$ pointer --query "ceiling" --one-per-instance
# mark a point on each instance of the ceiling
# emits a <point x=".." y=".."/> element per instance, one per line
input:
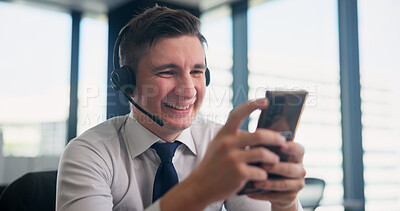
<point x="99" y="5"/>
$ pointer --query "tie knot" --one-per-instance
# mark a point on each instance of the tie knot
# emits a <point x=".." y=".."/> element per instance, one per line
<point x="166" y="151"/>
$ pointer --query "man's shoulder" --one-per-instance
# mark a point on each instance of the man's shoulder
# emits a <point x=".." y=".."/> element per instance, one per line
<point x="104" y="132"/>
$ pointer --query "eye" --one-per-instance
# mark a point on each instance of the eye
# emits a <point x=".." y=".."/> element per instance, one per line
<point x="197" y="72"/>
<point x="166" y="74"/>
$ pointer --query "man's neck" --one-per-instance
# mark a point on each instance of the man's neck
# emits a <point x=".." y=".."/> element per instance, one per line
<point x="164" y="133"/>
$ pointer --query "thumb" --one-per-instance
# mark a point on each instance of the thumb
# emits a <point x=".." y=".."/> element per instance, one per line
<point x="240" y="113"/>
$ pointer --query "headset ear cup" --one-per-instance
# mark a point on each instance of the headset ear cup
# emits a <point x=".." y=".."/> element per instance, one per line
<point x="123" y="78"/>
<point x="208" y="79"/>
<point x="114" y="81"/>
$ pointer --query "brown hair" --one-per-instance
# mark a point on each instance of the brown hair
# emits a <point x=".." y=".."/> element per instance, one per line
<point x="150" y="26"/>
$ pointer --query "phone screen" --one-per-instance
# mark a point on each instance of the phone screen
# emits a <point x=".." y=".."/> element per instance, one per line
<point x="283" y="115"/>
<point x="283" y="112"/>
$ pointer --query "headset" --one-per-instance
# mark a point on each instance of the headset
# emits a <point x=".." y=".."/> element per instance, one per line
<point x="123" y="78"/>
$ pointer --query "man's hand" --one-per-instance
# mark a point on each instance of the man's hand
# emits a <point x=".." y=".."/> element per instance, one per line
<point x="225" y="168"/>
<point x="287" y="188"/>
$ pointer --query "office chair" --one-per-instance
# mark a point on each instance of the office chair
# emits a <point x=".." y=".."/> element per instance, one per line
<point x="33" y="191"/>
<point x="2" y="188"/>
<point x="312" y="193"/>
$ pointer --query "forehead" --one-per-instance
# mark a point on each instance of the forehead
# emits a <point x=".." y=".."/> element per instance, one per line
<point x="171" y="45"/>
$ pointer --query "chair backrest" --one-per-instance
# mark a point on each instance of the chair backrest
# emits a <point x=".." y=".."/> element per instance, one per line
<point x="312" y="193"/>
<point x="33" y="191"/>
<point x="2" y="188"/>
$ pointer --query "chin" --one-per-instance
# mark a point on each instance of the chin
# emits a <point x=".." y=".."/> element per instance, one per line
<point x="179" y="124"/>
<point x="182" y="125"/>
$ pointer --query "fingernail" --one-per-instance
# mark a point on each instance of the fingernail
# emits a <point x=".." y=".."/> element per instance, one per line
<point x="266" y="166"/>
<point x="282" y="139"/>
<point x="284" y="147"/>
<point x="261" y="102"/>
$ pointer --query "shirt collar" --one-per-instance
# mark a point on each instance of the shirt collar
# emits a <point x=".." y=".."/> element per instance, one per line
<point x="186" y="138"/>
<point x="139" y="138"/>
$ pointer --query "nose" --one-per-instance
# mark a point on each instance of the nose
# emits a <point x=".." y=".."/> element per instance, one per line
<point x="185" y="88"/>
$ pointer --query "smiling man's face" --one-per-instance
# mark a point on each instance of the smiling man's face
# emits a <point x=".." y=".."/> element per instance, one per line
<point x="170" y="83"/>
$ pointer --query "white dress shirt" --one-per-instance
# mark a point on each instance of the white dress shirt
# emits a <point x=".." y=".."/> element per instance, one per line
<point x="112" y="167"/>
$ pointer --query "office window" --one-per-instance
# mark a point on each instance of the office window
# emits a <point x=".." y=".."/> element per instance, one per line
<point x="34" y="89"/>
<point x="379" y="33"/>
<point x="92" y="86"/>
<point x="293" y="44"/>
<point x="217" y="29"/>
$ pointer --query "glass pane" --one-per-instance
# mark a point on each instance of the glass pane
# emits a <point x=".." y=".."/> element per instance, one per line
<point x="293" y="44"/>
<point x="379" y="33"/>
<point x="92" y="86"/>
<point x="217" y="29"/>
<point x="34" y="90"/>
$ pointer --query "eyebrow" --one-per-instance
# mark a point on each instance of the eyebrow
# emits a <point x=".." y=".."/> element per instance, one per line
<point x="202" y="66"/>
<point x="164" y="66"/>
<point x="171" y="65"/>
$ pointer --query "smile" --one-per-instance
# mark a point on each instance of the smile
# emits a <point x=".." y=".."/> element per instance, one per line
<point x="177" y="107"/>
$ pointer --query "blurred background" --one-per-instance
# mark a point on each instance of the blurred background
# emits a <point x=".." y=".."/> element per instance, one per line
<point x="56" y="57"/>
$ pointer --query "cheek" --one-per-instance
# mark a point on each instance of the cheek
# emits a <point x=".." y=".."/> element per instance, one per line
<point x="201" y="92"/>
<point x="151" y="92"/>
<point x="161" y="91"/>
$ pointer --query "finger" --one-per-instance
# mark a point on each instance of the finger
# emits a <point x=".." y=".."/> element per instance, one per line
<point x="294" y="150"/>
<point x="259" y="154"/>
<point x="260" y="137"/>
<point x="255" y="173"/>
<point x="240" y="113"/>
<point x="281" y="185"/>
<point x="277" y="197"/>
<point x="288" y="170"/>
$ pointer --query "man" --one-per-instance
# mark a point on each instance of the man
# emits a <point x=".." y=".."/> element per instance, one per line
<point x="113" y="166"/>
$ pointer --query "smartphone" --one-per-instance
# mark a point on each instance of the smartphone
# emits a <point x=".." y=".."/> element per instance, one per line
<point x="282" y="115"/>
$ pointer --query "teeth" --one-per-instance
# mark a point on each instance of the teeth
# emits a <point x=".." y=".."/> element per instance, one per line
<point x="177" y="107"/>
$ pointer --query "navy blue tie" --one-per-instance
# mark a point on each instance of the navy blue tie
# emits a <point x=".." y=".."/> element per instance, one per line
<point x="166" y="176"/>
